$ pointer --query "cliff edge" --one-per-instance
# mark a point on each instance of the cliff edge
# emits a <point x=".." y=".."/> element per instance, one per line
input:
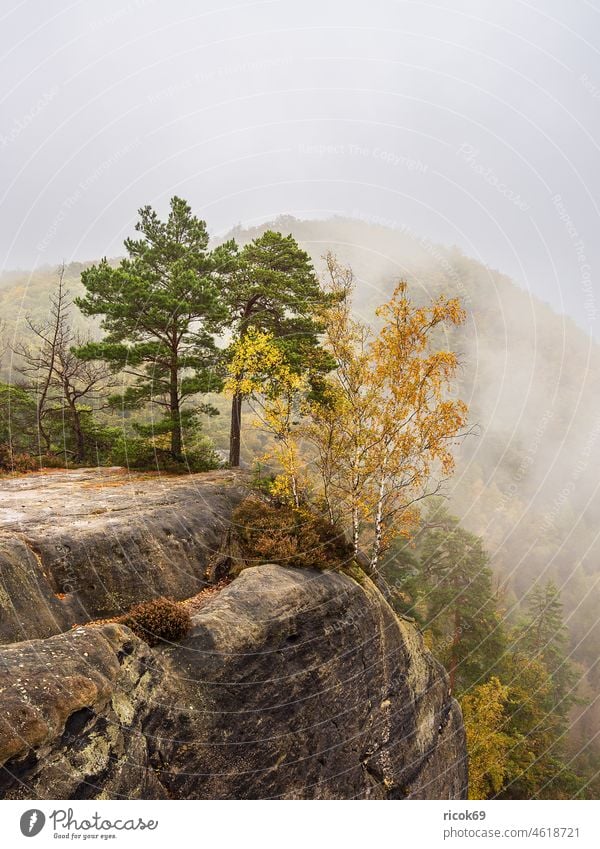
<point x="292" y="684"/>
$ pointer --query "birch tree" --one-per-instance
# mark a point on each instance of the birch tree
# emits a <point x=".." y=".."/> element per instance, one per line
<point x="378" y="436"/>
<point x="383" y="434"/>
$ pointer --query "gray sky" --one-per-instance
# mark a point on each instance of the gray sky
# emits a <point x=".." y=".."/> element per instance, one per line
<point x="471" y="122"/>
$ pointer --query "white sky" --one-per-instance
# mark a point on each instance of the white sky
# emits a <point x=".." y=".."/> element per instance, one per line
<point x="386" y="110"/>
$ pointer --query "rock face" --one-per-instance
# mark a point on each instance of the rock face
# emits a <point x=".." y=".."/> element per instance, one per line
<point x="293" y="684"/>
<point x="87" y="544"/>
<point x="70" y="715"/>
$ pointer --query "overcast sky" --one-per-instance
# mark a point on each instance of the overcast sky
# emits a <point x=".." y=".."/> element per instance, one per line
<point x="471" y="122"/>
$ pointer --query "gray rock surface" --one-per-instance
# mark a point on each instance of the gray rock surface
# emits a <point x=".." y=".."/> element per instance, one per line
<point x="87" y="544"/>
<point x="293" y="684"/>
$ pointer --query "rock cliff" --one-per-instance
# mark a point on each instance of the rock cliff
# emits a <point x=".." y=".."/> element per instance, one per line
<point x="292" y="684"/>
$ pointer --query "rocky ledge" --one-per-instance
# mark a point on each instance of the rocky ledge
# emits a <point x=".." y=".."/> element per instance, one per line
<point x="293" y="684"/>
<point x="88" y="544"/>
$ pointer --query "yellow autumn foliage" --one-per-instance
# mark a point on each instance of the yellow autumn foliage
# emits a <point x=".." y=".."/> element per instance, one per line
<point x="378" y="436"/>
<point x="488" y="744"/>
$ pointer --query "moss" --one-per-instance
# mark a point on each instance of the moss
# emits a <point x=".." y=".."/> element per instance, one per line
<point x="123" y="707"/>
<point x="354" y="571"/>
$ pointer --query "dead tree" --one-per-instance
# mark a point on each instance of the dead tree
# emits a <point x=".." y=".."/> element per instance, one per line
<point x="37" y="363"/>
<point x="80" y="384"/>
<point x="3" y="342"/>
<point x="63" y="384"/>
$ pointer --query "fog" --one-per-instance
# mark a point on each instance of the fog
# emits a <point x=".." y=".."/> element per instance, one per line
<point x="471" y="123"/>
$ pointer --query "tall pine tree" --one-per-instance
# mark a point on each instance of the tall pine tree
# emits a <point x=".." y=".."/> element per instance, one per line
<point x="542" y="636"/>
<point x="160" y="309"/>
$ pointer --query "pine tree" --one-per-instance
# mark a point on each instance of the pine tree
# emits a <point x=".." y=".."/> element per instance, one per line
<point x="542" y="689"/>
<point x="273" y="288"/>
<point x="538" y="767"/>
<point x="543" y="637"/>
<point x="161" y="308"/>
<point x="461" y="605"/>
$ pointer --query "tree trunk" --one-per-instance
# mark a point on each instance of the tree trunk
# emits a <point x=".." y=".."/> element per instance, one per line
<point x="175" y="415"/>
<point x="379" y="519"/>
<point x="327" y="500"/>
<point x="235" y="431"/>
<point x="79" y="437"/>
<point x="295" y="491"/>
<point x="235" y="428"/>
<point x="42" y="435"/>
<point x="355" y="529"/>
<point x="57" y="311"/>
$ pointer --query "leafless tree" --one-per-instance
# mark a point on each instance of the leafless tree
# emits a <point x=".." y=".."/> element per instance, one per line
<point x="64" y="385"/>
<point x="37" y="362"/>
<point x="80" y="383"/>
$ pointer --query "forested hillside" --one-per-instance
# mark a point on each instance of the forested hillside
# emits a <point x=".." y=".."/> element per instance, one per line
<point x="525" y="479"/>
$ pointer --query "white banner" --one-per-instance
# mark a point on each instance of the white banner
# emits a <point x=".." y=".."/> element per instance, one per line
<point x="291" y="824"/>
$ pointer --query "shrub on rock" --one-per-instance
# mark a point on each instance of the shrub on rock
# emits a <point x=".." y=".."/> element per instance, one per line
<point x="159" y="620"/>
<point x="276" y="533"/>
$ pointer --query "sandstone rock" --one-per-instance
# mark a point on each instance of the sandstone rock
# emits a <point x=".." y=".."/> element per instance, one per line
<point x="293" y="684"/>
<point x="29" y="604"/>
<point x="68" y="708"/>
<point x="88" y="544"/>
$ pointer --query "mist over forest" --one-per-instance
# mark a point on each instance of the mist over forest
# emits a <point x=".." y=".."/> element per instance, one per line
<point x="525" y="479"/>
